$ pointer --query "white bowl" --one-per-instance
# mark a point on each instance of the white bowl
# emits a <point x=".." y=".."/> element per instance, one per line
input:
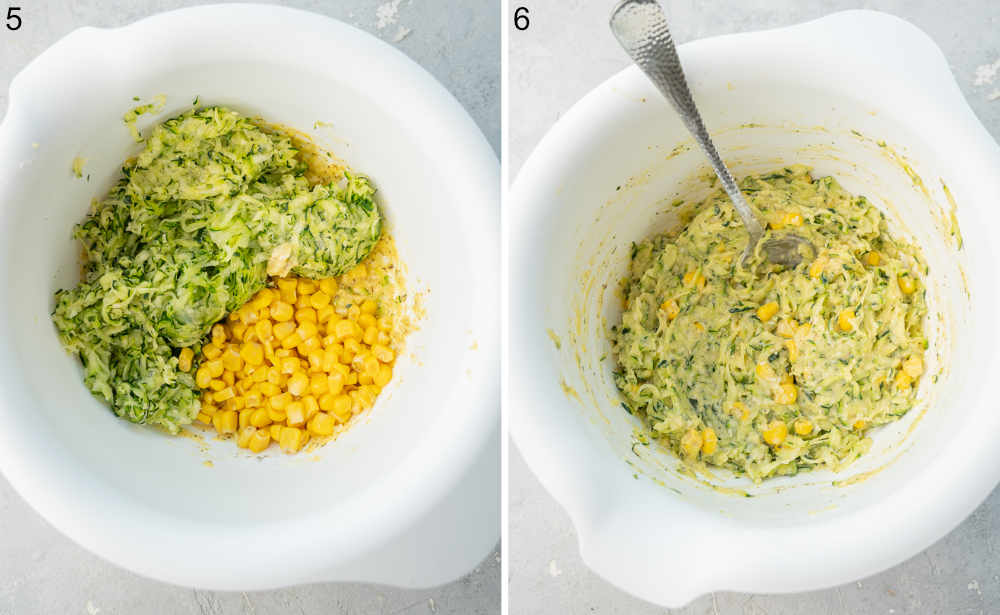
<point x="410" y="495"/>
<point x="823" y="94"/>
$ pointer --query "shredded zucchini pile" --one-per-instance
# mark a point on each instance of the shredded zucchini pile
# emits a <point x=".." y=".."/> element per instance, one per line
<point x="767" y="371"/>
<point x="213" y="204"/>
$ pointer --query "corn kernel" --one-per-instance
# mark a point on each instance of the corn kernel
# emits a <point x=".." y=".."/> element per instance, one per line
<point x="383" y="376"/>
<point x="239" y="331"/>
<point x="244" y="417"/>
<point x="335" y="383"/>
<point x="219" y="334"/>
<point x="691" y="443"/>
<point x="296" y="413"/>
<point x="793" y="350"/>
<point x="229" y="378"/>
<point x="280" y="401"/>
<point x="276" y="416"/>
<point x="709" y="441"/>
<point x="803" y="427"/>
<point x="353" y="346"/>
<point x="324" y="314"/>
<point x="792" y="218"/>
<point x="309" y="345"/>
<point x="384" y="324"/>
<point x="243" y="436"/>
<point x="263" y="298"/>
<point x="211" y="351"/>
<point x="231" y="360"/>
<point x="370" y="336"/>
<point x="275" y="430"/>
<point x="786" y="393"/>
<point x="903" y="380"/>
<point x="860" y="424"/>
<point x="319" y="299"/>
<point x="264" y="329"/>
<point x="269" y="389"/>
<point x="306" y="287"/>
<point x="260" y="418"/>
<point x="184" y="359"/>
<point x="259" y="440"/>
<point x="767" y="311"/>
<point x="282" y="311"/>
<point x="292" y="439"/>
<point x="322" y="424"/>
<point x="671" y="308"/>
<point x="817" y="267"/>
<point x="298" y="383"/>
<point x="367" y="320"/>
<point x="328" y="286"/>
<point x="291" y="341"/>
<point x="224" y="394"/>
<point x="872" y="258"/>
<point x="202" y="377"/>
<point x="225" y="422"/>
<point x="342" y="407"/>
<point x="345" y="329"/>
<point x="306" y="313"/>
<point x="765" y="371"/>
<point x="775" y="433"/>
<point x="318" y="384"/>
<point x="214" y="368"/>
<point x="906" y="283"/>
<point x="845" y="320"/>
<point x="311" y="406"/>
<point x="204" y="418"/>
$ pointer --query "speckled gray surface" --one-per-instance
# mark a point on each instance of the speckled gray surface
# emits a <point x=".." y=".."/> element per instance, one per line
<point x="43" y="572"/>
<point x="565" y="53"/>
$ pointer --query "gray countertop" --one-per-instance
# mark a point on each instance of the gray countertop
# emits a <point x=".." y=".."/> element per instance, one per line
<point x="41" y="571"/>
<point x="565" y="53"/>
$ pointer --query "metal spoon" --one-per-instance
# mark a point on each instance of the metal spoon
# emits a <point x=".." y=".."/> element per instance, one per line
<point x="641" y="28"/>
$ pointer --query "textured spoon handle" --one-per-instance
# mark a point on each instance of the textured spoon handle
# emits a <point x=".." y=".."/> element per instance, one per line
<point x="641" y="28"/>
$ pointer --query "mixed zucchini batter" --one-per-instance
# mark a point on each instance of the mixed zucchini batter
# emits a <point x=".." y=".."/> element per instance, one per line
<point x="769" y="371"/>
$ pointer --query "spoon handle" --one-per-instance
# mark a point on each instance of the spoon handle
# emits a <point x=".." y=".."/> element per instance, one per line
<point x="641" y="28"/>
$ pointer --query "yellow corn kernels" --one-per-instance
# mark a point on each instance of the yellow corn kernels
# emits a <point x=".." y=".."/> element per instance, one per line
<point x="709" y="441"/>
<point x="845" y="320"/>
<point x="670" y="308"/>
<point x="290" y="363"/>
<point x="767" y="311"/>
<point x="786" y="393"/>
<point x="817" y="267"/>
<point x="906" y="283"/>
<point x="793" y="350"/>
<point x="691" y="443"/>
<point x="775" y="433"/>
<point x="740" y="410"/>
<point x="803" y="427"/>
<point x="873" y="259"/>
<point x="184" y="359"/>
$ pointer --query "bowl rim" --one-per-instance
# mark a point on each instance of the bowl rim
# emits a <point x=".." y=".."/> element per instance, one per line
<point x="561" y="463"/>
<point x="312" y="546"/>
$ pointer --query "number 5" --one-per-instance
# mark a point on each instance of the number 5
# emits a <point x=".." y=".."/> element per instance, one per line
<point x="13" y="19"/>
